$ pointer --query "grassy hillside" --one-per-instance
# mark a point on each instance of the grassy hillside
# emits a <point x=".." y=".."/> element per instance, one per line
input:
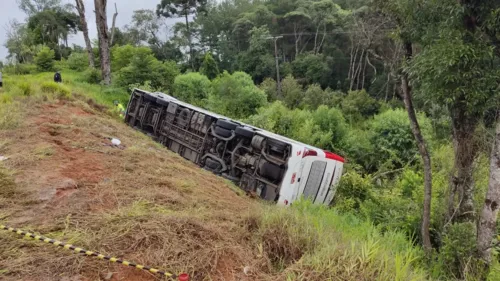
<point x="146" y="204"/>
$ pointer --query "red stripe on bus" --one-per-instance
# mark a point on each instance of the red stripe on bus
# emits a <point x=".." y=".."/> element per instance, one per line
<point x="330" y="155"/>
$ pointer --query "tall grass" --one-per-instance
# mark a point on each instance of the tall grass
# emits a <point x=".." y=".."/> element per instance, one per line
<point x="309" y="242"/>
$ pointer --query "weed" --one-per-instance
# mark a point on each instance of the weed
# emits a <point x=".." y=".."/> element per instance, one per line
<point x="7" y="184"/>
<point x="55" y="88"/>
<point x="10" y="115"/>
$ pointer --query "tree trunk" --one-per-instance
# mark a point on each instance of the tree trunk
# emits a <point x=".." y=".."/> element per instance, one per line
<point x="81" y="11"/>
<point x="487" y="222"/>
<point x="189" y="40"/>
<point x="113" y="26"/>
<point x="465" y="152"/>
<point x="424" y="153"/>
<point x="102" y="32"/>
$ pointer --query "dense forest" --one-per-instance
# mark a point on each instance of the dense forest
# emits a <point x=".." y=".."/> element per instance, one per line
<point x="406" y="90"/>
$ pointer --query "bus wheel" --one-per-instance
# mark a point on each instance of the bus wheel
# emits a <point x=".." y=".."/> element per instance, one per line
<point x="228" y="125"/>
<point x="270" y="171"/>
<point x="244" y="132"/>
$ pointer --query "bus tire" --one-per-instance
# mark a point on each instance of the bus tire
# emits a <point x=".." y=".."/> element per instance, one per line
<point x="221" y="132"/>
<point x="244" y="132"/>
<point x="270" y="171"/>
<point x="276" y="145"/>
<point x="212" y="164"/>
<point x="226" y="124"/>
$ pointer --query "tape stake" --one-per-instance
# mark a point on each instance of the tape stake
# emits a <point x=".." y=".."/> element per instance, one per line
<point x="181" y="277"/>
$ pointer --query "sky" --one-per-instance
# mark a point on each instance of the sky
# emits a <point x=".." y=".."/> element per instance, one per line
<point x="9" y="10"/>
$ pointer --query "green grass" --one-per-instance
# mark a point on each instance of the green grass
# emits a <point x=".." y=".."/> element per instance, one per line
<point x="310" y="242"/>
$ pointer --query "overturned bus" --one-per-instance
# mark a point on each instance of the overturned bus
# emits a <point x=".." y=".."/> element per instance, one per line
<point x="262" y="163"/>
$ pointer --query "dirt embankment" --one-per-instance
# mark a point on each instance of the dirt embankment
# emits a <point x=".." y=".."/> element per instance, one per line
<point x="137" y="201"/>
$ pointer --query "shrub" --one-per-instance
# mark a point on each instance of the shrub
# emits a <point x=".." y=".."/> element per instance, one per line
<point x="209" y="67"/>
<point x="145" y="67"/>
<point x="314" y="97"/>
<point x="92" y="76"/>
<point x="20" y="69"/>
<point x="235" y="95"/>
<point x="44" y="60"/>
<point x="25" y="88"/>
<point x="352" y="191"/>
<point x="270" y="88"/>
<point x="78" y="61"/>
<point x="291" y="91"/>
<point x="192" y="88"/>
<point x="121" y="56"/>
<point x="311" y="68"/>
<point x="393" y="141"/>
<point x="358" y="105"/>
<point x="457" y="250"/>
<point x="55" y="88"/>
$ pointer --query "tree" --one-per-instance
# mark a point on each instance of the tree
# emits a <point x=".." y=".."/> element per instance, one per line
<point x="488" y="219"/>
<point x="192" y="88"/>
<point x="358" y="105"/>
<point x="102" y="32"/>
<point x="148" y="25"/>
<point x="32" y="7"/>
<point x="314" y="97"/>
<point x="80" y="7"/>
<point x="20" y="42"/>
<point x="235" y="95"/>
<point x="44" y="60"/>
<point x="182" y="8"/>
<point x="209" y="67"/>
<point x="291" y="91"/>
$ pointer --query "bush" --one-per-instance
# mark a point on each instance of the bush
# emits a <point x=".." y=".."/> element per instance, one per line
<point x="352" y="191"/>
<point x="315" y="96"/>
<point x="121" y="56"/>
<point x="92" y="76"/>
<point x="270" y="89"/>
<point x="235" y="95"/>
<point x="209" y="67"/>
<point x="323" y="245"/>
<point x="358" y="105"/>
<point x="192" y="88"/>
<point x="393" y="141"/>
<point x="55" y="88"/>
<point x="78" y="61"/>
<point x="20" y="69"/>
<point x="458" y="248"/>
<point x="291" y="91"/>
<point x="25" y="88"/>
<point x="44" y="60"/>
<point x="145" y="67"/>
<point x="311" y="68"/>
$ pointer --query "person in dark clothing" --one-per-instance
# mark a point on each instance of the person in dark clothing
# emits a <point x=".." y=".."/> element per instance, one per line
<point x="57" y="77"/>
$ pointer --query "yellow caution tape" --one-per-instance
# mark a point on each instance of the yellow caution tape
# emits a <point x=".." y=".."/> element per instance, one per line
<point x="88" y="253"/>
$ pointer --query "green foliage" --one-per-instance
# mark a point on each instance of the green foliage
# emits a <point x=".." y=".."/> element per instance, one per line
<point x="270" y="88"/>
<point x="311" y="68"/>
<point x="145" y="67"/>
<point x="60" y="90"/>
<point x="458" y="246"/>
<point x="92" y="76"/>
<point x="25" y="88"/>
<point x="209" y="67"/>
<point x="291" y="91"/>
<point x="192" y="87"/>
<point x="315" y="96"/>
<point x="393" y="141"/>
<point x="352" y="191"/>
<point x="324" y="127"/>
<point x="44" y="60"/>
<point x="20" y="69"/>
<point x="235" y="95"/>
<point x="122" y="56"/>
<point x="358" y="105"/>
<point x="78" y="61"/>
<point x="317" y="235"/>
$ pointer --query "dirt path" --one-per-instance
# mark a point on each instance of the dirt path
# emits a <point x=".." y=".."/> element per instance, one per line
<point x="139" y="201"/>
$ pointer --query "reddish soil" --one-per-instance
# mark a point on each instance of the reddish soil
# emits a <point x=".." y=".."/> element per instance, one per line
<point x="69" y="176"/>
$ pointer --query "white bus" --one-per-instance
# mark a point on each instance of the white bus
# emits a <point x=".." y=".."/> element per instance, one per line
<point x="262" y="163"/>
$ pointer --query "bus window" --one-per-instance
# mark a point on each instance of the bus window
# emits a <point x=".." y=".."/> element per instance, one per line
<point x="314" y="179"/>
